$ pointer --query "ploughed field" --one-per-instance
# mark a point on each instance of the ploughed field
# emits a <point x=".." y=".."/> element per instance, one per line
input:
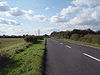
<point x="9" y="42"/>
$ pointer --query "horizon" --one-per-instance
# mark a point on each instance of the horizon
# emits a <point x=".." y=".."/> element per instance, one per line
<point x="39" y="34"/>
<point x="27" y="17"/>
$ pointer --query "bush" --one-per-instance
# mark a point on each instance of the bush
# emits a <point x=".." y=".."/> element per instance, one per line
<point x="40" y="37"/>
<point x="75" y="36"/>
<point x="87" y="38"/>
<point x="91" y="39"/>
<point x="31" y="39"/>
<point x="96" y="39"/>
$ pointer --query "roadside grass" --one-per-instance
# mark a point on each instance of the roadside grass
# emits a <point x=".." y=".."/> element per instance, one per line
<point x="27" y="62"/>
<point x="83" y="43"/>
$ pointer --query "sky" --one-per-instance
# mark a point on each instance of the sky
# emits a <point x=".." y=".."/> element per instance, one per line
<point x="18" y="17"/>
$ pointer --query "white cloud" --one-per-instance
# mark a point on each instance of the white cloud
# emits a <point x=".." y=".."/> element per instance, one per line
<point x="87" y="16"/>
<point x="19" y="12"/>
<point x="4" y="7"/>
<point x="4" y="21"/>
<point x="29" y="14"/>
<point x="96" y="13"/>
<point x="69" y="10"/>
<point x="16" y="12"/>
<point x="58" y="19"/>
<point x="6" y="10"/>
<point x="86" y="2"/>
<point x="2" y="32"/>
<point x="47" y="8"/>
<point x="40" y="18"/>
<point x="77" y="15"/>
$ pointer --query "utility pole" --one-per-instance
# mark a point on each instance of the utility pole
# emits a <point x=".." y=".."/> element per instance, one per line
<point x="38" y="32"/>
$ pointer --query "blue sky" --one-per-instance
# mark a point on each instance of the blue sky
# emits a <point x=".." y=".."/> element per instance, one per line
<point x="19" y="17"/>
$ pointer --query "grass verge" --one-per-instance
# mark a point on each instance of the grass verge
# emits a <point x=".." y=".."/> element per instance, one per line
<point x="83" y="43"/>
<point x="27" y="62"/>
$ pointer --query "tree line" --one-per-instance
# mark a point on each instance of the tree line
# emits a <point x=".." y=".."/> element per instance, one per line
<point x="87" y="35"/>
<point x="22" y="36"/>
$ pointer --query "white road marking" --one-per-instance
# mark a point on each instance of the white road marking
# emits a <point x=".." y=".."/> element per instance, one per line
<point x="68" y="46"/>
<point x="61" y="43"/>
<point x="91" y="57"/>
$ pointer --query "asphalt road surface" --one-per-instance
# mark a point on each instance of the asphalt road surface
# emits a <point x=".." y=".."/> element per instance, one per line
<point x="64" y="58"/>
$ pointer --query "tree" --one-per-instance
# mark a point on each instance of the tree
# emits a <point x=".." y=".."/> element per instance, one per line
<point x="31" y="39"/>
<point x="89" y="31"/>
<point x="74" y="36"/>
<point x="98" y="32"/>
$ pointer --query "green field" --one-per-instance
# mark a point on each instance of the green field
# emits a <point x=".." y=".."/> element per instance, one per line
<point x="28" y="62"/>
<point x="7" y="44"/>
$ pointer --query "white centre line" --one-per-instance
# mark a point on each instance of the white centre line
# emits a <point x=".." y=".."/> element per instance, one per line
<point x="91" y="57"/>
<point x="61" y="43"/>
<point x="68" y="46"/>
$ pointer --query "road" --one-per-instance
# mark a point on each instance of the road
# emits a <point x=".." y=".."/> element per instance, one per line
<point x="64" y="58"/>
